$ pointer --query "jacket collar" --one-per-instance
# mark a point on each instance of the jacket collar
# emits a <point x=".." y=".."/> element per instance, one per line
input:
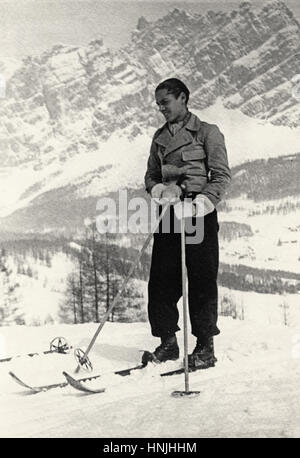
<point x="193" y="123"/>
<point x="181" y="138"/>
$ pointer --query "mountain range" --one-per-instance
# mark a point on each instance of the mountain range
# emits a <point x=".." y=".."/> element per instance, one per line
<point x="76" y="122"/>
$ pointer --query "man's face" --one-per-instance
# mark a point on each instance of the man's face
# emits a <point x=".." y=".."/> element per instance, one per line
<point x="173" y="109"/>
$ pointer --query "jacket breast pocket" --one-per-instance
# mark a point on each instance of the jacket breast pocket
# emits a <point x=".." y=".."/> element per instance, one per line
<point x="195" y="154"/>
<point x="194" y="159"/>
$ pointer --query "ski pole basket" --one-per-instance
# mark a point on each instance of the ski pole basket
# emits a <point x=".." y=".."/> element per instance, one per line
<point x="82" y="359"/>
<point x="59" y="345"/>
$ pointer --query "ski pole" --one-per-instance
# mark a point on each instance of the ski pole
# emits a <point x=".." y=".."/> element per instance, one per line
<point x="187" y="391"/>
<point x="184" y="301"/>
<point x="116" y="299"/>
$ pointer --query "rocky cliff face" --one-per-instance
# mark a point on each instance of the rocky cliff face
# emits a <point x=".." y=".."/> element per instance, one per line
<point x="69" y="99"/>
<point x="248" y="58"/>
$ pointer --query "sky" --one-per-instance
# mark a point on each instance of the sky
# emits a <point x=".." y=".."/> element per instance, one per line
<point x="29" y="27"/>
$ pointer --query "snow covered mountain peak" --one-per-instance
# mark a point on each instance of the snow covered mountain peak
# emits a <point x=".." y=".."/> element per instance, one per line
<point x="91" y="105"/>
<point x="69" y="99"/>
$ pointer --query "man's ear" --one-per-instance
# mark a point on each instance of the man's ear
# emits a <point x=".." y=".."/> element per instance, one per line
<point x="183" y="97"/>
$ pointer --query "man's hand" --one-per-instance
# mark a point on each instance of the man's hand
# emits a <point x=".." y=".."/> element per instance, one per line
<point x="157" y="190"/>
<point x="171" y="194"/>
<point x="166" y="194"/>
<point x="204" y="204"/>
<point x="198" y="207"/>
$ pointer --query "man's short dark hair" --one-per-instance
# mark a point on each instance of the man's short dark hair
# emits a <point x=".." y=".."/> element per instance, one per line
<point x="174" y="86"/>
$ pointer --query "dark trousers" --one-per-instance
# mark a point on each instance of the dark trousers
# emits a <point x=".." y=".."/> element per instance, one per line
<point x="165" y="283"/>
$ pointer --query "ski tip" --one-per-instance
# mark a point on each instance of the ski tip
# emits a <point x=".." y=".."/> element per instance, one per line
<point x="66" y="375"/>
<point x="71" y="380"/>
<point x="81" y="386"/>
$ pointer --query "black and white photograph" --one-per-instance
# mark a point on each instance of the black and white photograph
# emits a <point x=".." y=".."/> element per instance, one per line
<point x="149" y="221"/>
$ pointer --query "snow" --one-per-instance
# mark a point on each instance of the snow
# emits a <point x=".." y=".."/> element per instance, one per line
<point x="246" y="139"/>
<point x="40" y="295"/>
<point x="261" y="250"/>
<point x="252" y="391"/>
<point x="264" y="309"/>
<point x="160" y="66"/>
<point x="8" y="66"/>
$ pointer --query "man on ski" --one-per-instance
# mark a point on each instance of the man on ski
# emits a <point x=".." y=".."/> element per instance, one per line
<point x="188" y="160"/>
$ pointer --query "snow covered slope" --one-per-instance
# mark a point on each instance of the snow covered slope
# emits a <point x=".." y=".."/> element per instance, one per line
<point x="252" y="392"/>
<point x="274" y="240"/>
<point x="120" y="163"/>
<point x="76" y="122"/>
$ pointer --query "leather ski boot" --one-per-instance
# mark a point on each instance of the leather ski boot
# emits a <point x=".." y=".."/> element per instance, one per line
<point x="203" y="355"/>
<point x="168" y="350"/>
